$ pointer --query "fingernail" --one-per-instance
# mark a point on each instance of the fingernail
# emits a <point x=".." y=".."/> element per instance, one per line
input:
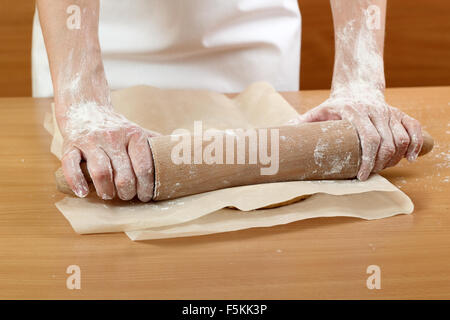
<point x="145" y="198"/>
<point x="362" y="176"/>
<point x="81" y="192"/>
<point x="412" y="157"/>
<point x="106" y="197"/>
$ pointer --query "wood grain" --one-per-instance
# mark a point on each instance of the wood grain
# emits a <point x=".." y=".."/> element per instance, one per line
<point x="317" y="258"/>
<point x="16" y="19"/>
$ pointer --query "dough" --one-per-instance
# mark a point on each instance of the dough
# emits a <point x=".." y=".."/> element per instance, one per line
<point x="281" y="204"/>
<point x="287" y="202"/>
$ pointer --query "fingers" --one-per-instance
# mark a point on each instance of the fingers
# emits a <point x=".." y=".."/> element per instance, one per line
<point x="386" y="134"/>
<point x="414" y="130"/>
<point x="124" y="178"/>
<point x="72" y="172"/>
<point x="100" y="170"/>
<point x="370" y="142"/>
<point x="386" y="149"/>
<point x="141" y="160"/>
<point x="401" y="141"/>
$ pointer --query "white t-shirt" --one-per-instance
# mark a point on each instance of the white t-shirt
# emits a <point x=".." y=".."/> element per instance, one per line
<point x="221" y="45"/>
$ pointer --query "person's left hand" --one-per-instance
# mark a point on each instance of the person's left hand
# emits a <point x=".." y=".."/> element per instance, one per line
<point x="386" y="133"/>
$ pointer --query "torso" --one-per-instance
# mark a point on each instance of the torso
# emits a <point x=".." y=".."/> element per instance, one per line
<point x="210" y="44"/>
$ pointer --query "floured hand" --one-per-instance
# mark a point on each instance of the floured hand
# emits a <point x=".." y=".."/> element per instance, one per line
<point x="386" y="133"/>
<point x="116" y="150"/>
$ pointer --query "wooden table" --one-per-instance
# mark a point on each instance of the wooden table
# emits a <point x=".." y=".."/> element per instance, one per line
<point x="313" y="259"/>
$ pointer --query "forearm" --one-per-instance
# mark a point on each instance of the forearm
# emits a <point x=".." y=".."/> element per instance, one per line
<point x="74" y="53"/>
<point x="359" y="40"/>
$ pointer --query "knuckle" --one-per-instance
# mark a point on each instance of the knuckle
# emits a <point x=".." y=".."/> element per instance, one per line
<point x="373" y="139"/>
<point x="349" y="110"/>
<point x="139" y="138"/>
<point x="384" y="114"/>
<point x="416" y="139"/>
<point x="387" y="150"/>
<point x="395" y="110"/>
<point x="124" y="182"/>
<point x="403" y="141"/>
<point x="143" y="171"/>
<point x="136" y="131"/>
<point x="100" y="173"/>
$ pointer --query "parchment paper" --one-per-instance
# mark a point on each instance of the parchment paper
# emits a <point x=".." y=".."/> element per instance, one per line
<point x="258" y="106"/>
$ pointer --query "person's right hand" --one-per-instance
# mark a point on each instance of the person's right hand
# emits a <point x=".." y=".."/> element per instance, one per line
<point x="117" y="152"/>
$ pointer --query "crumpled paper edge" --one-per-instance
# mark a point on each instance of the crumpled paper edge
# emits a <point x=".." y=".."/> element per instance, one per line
<point x="227" y="220"/>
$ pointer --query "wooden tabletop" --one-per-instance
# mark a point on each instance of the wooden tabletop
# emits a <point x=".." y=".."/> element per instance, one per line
<point x="310" y="259"/>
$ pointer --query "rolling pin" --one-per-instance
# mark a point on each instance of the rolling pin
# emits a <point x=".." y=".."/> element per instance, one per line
<point x="187" y="164"/>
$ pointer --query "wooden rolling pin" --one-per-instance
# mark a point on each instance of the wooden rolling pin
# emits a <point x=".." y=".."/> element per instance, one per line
<point x="310" y="151"/>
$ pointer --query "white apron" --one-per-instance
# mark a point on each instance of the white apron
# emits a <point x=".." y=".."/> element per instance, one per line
<point x="221" y="45"/>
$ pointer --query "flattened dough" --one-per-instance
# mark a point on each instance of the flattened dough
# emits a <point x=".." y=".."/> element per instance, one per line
<point x="282" y="203"/>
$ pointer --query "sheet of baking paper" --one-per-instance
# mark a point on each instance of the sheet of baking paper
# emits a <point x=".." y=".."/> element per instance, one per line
<point x="258" y="106"/>
<point x="369" y="205"/>
<point x="92" y="215"/>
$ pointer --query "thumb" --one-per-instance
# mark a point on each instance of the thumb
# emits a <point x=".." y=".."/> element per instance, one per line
<point x="319" y="113"/>
<point x="316" y="114"/>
